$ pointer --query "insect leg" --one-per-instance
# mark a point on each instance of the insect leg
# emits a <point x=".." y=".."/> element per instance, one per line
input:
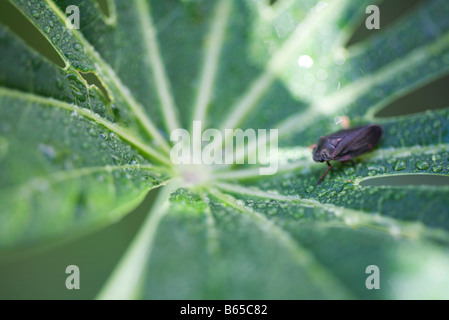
<point x="324" y="175"/>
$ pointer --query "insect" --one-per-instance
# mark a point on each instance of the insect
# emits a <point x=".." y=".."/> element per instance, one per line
<point x="346" y="144"/>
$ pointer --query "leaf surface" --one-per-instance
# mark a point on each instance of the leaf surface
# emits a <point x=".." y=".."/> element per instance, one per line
<point x="73" y="157"/>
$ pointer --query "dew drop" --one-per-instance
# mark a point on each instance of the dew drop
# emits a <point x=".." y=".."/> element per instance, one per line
<point x="77" y="47"/>
<point x="47" y="29"/>
<point x="400" y="165"/>
<point x="347" y="186"/>
<point x="76" y="65"/>
<point x="390" y="160"/>
<point x="69" y="55"/>
<point x="331" y="194"/>
<point x="436" y="157"/>
<point x="35" y="14"/>
<point x="437" y="169"/>
<point x="309" y="189"/>
<point x="378" y="168"/>
<point x="422" y="165"/>
<point x="322" y="192"/>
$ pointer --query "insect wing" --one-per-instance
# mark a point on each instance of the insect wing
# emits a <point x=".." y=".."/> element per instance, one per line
<point x="357" y="141"/>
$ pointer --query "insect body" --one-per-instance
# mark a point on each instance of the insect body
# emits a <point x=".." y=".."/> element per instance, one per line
<point x="346" y="144"/>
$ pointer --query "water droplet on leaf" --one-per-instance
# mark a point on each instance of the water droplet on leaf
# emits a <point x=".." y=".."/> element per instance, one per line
<point x="77" y="47"/>
<point x="309" y="189"/>
<point x="400" y="165"/>
<point x="422" y="165"/>
<point x="35" y="14"/>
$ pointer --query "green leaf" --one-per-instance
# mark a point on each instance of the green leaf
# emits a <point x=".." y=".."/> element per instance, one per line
<point x="74" y="157"/>
<point x="67" y="163"/>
